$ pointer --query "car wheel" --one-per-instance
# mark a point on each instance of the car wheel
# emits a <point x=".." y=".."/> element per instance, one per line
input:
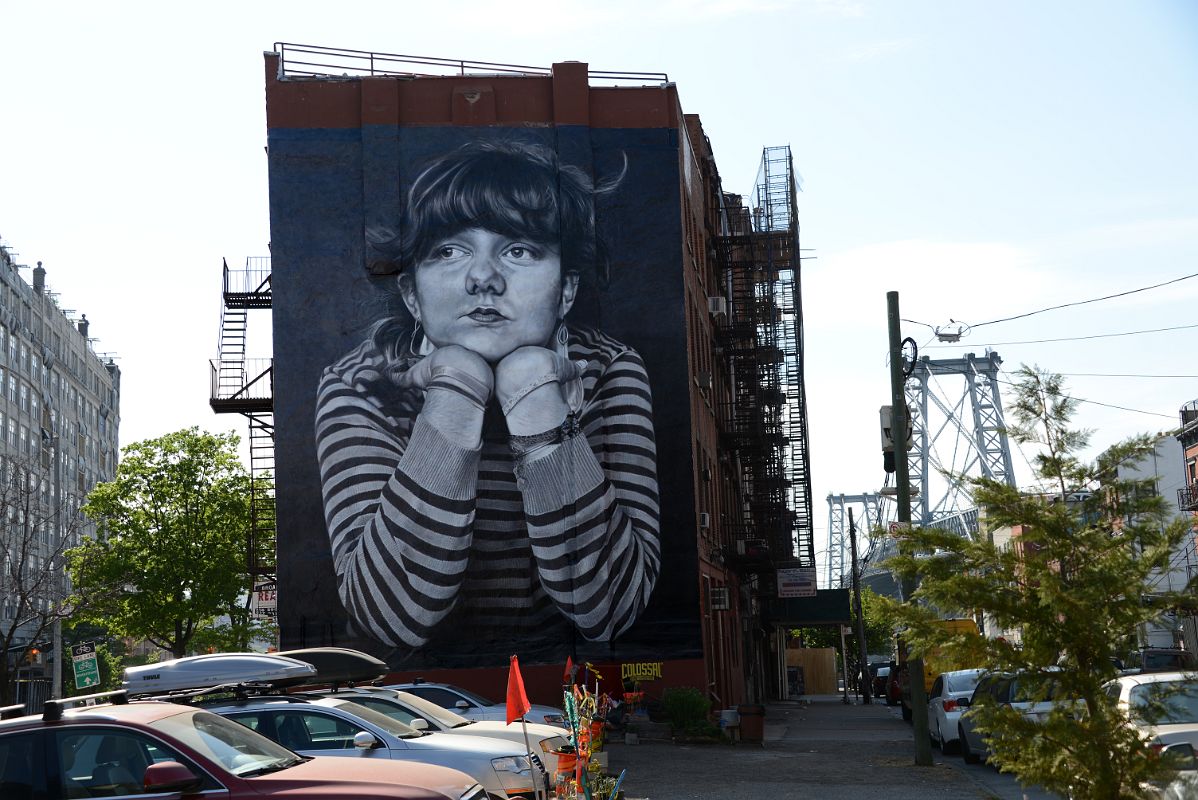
<point x="967" y="754"/>
<point x="950" y="747"/>
<point x="937" y="738"/>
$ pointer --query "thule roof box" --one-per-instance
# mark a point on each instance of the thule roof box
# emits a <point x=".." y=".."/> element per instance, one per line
<point x="216" y="670"/>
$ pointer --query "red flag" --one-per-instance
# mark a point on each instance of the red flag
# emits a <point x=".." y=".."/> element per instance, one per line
<point x="568" y="675"/>
<point x="517" y="700"/>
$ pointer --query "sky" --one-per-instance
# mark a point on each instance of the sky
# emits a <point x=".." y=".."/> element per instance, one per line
<point x="982" y="159"/>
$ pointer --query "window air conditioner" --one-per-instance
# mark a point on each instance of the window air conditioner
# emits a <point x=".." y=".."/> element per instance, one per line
<point x="717" y="305"/>
<point x="704" y="520"/>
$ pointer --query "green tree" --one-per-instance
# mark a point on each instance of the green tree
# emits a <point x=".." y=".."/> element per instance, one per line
<point x="170" y="551"/>
<point x="37" y="525"/>
<point x="1074" y="581"/>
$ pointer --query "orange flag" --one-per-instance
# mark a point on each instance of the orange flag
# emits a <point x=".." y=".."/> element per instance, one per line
<point x="517" y="700"/>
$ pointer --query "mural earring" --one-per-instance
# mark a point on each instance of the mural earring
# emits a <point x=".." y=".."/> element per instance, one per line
<point x="563" y="333"/>
<point x="416" y="344"/>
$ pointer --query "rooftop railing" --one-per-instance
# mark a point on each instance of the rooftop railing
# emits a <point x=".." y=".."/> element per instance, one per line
<point x="307" y="61"/>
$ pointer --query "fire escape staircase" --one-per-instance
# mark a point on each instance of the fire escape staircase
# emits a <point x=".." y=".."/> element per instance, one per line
<point x="239" y="385"/>
<point x="762" y="337"/>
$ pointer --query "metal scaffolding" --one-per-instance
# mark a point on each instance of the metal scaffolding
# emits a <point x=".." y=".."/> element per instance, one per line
<point x="873" y="514"/>
<point x="762" y="338"/>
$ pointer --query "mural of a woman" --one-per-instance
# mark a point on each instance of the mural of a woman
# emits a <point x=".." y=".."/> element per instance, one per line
<point x="485" y="464"/>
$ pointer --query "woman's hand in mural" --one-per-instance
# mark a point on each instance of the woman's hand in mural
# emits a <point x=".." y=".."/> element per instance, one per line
<point x="530" y="387"/>
<point x="457" y="383"/>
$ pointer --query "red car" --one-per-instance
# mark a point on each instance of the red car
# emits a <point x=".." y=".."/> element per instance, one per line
<point x="130" y="749"/>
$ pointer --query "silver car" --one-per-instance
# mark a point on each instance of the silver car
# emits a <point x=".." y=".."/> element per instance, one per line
<point x="423" y="714"/>
<point x="1000" y="688"/>
<point x="336" y="727"/>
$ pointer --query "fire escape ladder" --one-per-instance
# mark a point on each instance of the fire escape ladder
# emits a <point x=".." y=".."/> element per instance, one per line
<point x="261" y="547"/>
<point x="246" y="386"/>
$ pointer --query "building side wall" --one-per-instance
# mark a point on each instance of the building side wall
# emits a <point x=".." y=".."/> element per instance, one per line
<point x="343" y="154"/>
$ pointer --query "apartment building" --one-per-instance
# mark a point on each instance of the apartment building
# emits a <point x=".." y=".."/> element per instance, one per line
<point x="59" y="419"/>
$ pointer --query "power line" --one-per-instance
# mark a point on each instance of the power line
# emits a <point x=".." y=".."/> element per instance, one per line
<point x="1118" y="375"/>
<point x="945" y="371"/>
<point x="1071" y="338"/>
<point x="1084" y="302"/>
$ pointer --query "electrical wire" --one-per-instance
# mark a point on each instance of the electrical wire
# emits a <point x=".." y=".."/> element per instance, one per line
<point x="1071" y="338"/>
<point x="1084" y="302"/>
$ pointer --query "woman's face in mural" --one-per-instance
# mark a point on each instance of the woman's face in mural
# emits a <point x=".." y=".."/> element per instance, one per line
<point x="488" y="292"/>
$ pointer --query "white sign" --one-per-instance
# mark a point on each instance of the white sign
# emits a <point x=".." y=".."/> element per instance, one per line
<point x="796" y="582"/>
<point x="265" y="600"/>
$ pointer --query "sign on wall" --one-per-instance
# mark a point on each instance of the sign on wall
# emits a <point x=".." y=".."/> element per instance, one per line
<point x="796" y="582"/>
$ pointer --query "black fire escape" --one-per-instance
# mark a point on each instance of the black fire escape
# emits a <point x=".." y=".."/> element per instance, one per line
<point x="762" y="338"/>
<point x="246" y="386"/>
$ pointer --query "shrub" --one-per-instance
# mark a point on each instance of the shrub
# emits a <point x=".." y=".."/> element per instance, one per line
<point x="686" y="708"/>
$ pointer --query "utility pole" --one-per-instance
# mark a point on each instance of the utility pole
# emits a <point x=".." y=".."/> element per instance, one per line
<point x="866" y="688"/>
<point x="901" y="425"/>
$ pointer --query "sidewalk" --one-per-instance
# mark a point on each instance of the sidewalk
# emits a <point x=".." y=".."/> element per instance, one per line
<point x="819" y="748"/>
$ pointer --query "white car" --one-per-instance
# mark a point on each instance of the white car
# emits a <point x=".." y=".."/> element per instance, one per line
<point x="326" y="726"/>
<point x="944" y="705"/>
<point x="1162" y="705"/>
<point x="475" y="707"/>
<point x="422" y="714"/>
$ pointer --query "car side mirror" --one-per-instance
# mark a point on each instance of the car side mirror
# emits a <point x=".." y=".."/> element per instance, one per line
<point x="419" y="724"/>
<point x="1182" y="755"/>
<point x="365" y="740"/>
<point x="462" y="704"/>
<point x="170" y="776"/>
<point x="963" y="702"/>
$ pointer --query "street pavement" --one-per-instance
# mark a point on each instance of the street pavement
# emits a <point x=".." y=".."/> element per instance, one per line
<point x="815" y="748"/>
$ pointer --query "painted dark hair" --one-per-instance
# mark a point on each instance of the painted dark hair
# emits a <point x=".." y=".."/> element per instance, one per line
<point x="510" y="188"/>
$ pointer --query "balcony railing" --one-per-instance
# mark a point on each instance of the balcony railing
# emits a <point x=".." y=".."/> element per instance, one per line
<point x="305" y="60"/>
<point x="1187" y="497"/>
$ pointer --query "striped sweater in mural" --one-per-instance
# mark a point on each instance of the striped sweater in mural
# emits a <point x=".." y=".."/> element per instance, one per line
<point x="421" y="528"/>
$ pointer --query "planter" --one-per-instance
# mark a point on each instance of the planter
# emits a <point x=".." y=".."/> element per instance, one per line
<point x="566" y="762"/>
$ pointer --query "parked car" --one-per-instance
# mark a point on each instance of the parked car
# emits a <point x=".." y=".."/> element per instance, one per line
<point x="1017" y="690"/>
<point x="1161" y="659"/>
<point x="944" y="705"/>
<point x="1162" y="705"/>
<point x="330" y="726"/>
<point x="126" y="748"/>
<point x="423" y="714"/>
<point x="894" y="684"/>
<point x="878" y="686"/>
<point x="475" y="707"/>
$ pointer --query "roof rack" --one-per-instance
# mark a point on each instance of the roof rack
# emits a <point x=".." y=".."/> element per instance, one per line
<point x="52" y="709"/>
<point x="12" y="712"/>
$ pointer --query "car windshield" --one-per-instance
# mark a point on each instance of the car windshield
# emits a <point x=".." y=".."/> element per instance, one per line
<point x="238" y="749"/>
<point x="962" y="681"/>
<point x="1165" y="702"/>
<point x="391" y="726"/>
<point x="883" y="672"/>
<point x="432" y="712"/>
